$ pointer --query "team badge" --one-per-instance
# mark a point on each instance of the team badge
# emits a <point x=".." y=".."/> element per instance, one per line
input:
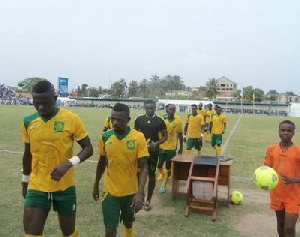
<point x="130" y="144"/>
<point x="59" y="126"/>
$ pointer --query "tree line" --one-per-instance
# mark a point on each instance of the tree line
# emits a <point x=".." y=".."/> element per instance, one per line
<point x="157" y="87"/>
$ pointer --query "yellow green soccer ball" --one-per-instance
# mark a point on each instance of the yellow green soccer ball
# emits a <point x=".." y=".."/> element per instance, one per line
<point x="236" y="197"/>
<point x="265" y="177"/>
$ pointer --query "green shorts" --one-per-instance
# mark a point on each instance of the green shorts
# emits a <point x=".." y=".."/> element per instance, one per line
<point x="116" y="209"/>
<point x="193" y="142"/>
<point x="216" y="139"/>
<point x="166" y="155"/>
<point x="64" y="202"/>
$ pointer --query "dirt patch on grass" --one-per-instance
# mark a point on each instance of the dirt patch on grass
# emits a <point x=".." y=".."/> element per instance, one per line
<point x="257" y="224"/>
<point x="263" y="221"/>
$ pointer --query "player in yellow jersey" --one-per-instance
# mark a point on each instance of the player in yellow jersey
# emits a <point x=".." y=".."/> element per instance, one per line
<point x="164" y="116"/>
<point x="193" y="131"/>
<point x="218" y="127"/>
<point x="107" y="124"/>
<point x="201" y="110"/>
<point x="122" y="151"/>
<point x="209" y="113"/>
<point x="48" y="173"/>
<point x="167" y="150"/>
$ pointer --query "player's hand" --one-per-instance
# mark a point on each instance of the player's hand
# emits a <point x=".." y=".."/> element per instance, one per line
<point x="180" y="151"/>
<point x="24" y="189"/>
<point x="223" y="131"/>
<point x="59" y="171"/>
<point x="286" y="180"/>
<point x="184" y="138"/>
<point x="152" y="146"/>
<point x="200" y="138"/>
<point x="96" y="192"/>
<point x="137" y="202"/>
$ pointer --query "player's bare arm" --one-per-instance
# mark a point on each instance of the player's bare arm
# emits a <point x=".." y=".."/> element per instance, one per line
<point x="185" y="131"/>
<point x="154" y="145"/>
<point x="202" y="131"/>
<point x="137" y="201"/>
<point x="224" y="128"/>
<point x="87" y="150"/>
<point x="180" y="137"/>
<point x="164" y="137"/>
<point x="27" y="158"/>
<point x="99" y="172"/>
<point x="289" y="180"/>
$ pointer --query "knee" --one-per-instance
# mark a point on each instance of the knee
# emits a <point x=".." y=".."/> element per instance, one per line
<point x="289" y="231"/>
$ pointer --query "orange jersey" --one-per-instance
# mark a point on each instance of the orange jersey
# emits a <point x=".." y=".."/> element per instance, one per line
<point x="285" y="162"/>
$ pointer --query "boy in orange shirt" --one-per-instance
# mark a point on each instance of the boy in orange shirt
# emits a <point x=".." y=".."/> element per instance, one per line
<point x="284" y="158"/>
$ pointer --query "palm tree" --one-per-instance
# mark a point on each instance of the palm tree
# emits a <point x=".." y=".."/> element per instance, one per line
<point x="211" y="91"/>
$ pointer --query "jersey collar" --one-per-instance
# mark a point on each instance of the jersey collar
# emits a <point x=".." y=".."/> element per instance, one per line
<point x="120" y="137"/>
<point x="50" y="117"/>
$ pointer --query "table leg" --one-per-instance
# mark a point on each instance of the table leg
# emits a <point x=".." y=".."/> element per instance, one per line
<point x="175" y="188"/>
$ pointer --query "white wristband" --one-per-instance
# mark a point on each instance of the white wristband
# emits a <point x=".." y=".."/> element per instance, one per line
<point x="25" y="178"/>
<point x="201" y="134"/>
<point x="74" y="160"/>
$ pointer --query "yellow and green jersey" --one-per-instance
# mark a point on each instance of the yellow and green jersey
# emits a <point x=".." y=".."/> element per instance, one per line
<point x="202" y="111"/>
<point x="51" y="144"/>
<point x="218" y="122"/>
<point x="173" y="127"/>
<point x="195" y="124"/>
<point x="122" y="154"/>
<point x="209" y="114"/>
<point x="165" y="116"/>
<point x="107" y="123"/>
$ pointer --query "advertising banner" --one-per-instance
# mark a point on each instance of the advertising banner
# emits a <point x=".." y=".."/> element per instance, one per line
<point x="63" y="86"/>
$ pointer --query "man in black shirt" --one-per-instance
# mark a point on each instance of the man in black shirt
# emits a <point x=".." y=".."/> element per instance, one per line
<point x="151" y="126"/>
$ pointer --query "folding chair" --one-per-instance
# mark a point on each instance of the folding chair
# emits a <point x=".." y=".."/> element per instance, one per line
<point x="202" y="185"/>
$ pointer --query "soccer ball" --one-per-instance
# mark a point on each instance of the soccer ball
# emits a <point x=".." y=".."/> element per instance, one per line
<point x="265" y="177"/>
<point x="236" y="197"/>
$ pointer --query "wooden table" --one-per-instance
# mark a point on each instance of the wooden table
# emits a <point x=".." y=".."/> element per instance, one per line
<point x="180" y="171"/>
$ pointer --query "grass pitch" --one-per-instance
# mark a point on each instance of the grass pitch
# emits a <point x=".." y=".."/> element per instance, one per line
<point x="247" y="145"/>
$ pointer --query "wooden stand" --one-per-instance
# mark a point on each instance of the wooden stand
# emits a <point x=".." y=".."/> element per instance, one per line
<point x="181" y="167"/>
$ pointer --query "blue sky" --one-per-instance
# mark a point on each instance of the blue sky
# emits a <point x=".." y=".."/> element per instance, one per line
<point x="98" y="42"/>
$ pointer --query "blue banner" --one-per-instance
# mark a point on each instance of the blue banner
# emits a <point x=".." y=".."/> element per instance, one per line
<point x="63" y="86"/>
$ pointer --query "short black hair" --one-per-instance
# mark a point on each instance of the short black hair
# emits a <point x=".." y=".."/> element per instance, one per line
<point x="194" y="105"/>
<point x="167" y="106"/>
<point x="149" y="101"/>
<point x="288" y="122"/>
<point x="119" y="107"/>
<point x="42" y="87"/>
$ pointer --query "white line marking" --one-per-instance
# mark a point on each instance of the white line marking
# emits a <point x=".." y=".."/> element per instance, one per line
<point x="12" y="152"/>
<point x="230" y="135"/>
<point x="19" y="152"/>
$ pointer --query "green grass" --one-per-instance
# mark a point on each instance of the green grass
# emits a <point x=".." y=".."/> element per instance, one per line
<point x="247" y="145"/>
